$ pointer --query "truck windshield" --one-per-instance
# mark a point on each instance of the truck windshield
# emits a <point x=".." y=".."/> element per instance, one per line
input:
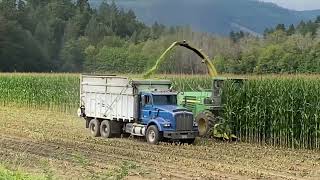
<point x="164" y="99"/>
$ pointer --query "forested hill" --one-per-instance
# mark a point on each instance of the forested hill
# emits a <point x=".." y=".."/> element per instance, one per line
<point x="217" y="16"/>
<point x="72" y="36"/>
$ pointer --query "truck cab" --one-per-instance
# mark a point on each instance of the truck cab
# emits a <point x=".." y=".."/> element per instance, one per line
<point x="163" y="118"/>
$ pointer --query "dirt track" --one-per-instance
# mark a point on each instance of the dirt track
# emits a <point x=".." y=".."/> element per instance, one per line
<point x="57" y="144"/>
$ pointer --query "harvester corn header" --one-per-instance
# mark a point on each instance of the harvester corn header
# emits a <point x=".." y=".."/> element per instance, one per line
<point x="206" y="105"/>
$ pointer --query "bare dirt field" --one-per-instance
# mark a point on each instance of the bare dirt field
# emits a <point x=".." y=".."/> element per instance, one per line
<point x="57" y="146"/>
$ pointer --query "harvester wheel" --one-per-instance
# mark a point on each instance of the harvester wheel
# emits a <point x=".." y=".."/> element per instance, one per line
<point x="206" y="121"/>
<point x="94" y="126"/>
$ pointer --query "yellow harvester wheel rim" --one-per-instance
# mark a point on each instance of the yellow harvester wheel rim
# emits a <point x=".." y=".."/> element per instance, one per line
<point x="202" y="127"/>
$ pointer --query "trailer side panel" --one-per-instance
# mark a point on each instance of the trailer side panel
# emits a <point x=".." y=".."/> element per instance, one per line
<point x="107" y="97"/>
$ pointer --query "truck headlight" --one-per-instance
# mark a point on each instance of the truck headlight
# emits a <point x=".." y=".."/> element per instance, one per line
<point x="79" y="113"/>
<point x="167" y="124"/>
<point x="195" y="124"/>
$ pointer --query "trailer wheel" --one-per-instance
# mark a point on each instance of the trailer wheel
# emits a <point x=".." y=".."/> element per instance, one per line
<point x="153" y="135"/>
<point x="206" y="120"/>
<point x="105" y="129"/>
<point x="94" y="127"/>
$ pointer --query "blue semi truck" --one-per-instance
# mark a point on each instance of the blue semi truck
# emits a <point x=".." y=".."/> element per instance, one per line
<point x="113" y="105"/>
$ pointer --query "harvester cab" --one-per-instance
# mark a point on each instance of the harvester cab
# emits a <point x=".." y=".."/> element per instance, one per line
<point x="217" y="90"/>
<point x="217" y="93"/>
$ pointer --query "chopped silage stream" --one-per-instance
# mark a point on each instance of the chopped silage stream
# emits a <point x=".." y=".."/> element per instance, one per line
<point x="42" y="141"/>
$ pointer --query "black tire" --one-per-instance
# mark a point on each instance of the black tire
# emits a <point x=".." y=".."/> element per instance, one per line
<point x="94" y="127"/>
<point x="187" y="141"/>
<point x="106" y="129"/>
<point x="206" y="121"/>
<point x="153" y="135"/>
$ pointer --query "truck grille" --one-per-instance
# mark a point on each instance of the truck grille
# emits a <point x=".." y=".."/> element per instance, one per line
<point x="184" y="122"/>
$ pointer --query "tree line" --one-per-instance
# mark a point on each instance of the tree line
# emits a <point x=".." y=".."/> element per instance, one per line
<point x="72" y="36"/>
<point x="292" y="49"/>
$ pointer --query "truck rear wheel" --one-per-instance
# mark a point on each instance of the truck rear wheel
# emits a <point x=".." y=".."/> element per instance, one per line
<point x="206" y="121"/>
<point x="153" y="135"/>
<point x="105" y="129"/>
<point x="94" y="127"/>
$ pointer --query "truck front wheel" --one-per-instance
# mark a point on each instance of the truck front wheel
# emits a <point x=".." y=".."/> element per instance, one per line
<point x="94" y="127"/>
<point x="105" y="129"/>
<point x="153" y="135"/>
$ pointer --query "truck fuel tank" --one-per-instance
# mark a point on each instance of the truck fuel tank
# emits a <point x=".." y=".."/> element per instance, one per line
<point x="136" y="129"/>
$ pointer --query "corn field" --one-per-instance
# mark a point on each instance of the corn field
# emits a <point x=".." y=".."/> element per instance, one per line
<point x="277" y="111"/>
<point x="61" y="91"/>
<point x="53" y="92"/>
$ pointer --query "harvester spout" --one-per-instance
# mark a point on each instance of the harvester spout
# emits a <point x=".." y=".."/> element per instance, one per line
<point x="161" y="58"/>
<point x="205" y="59"/>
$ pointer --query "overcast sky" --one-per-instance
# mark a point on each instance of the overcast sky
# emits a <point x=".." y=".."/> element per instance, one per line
<point x="297" y="4"/>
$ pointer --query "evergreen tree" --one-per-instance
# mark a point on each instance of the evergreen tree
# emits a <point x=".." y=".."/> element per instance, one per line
<point x="83" y="5"/>
<point x="317" y="19"/>
<point x="302" y="27"/>
<point x="281" y="27"/>
<point x="233" y="36"/>
<point x="291" y="30"/>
